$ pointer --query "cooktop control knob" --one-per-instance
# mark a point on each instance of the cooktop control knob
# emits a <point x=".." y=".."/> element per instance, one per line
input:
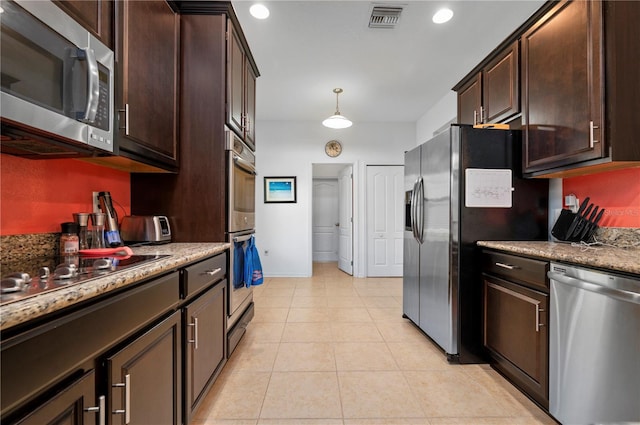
<point x="44" y="273"/>
<point x="102" y="264"/>
<point x="65" y="271"/>
<point x="14" y="282"/>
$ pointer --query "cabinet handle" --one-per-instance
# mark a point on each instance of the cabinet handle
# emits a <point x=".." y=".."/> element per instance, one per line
<point x="591" y="139"/>
<point x="194" y="341"/>
<point x="100" y="409"/>
<point x="127" y="398"/>
<point x="506" y="266"/>
<point x="538" y="311"/>
<point x="481" y="114"/>
<point x="475" y="117"/>
<point x="213" y="272"/>
<point x="126" y="119"/>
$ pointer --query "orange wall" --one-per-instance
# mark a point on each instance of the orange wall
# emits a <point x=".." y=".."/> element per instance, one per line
<point x="616" y="191"/>
<point x="37" y="195"/>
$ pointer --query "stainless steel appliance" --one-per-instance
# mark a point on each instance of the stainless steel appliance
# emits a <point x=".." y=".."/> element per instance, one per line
<point x="153" y="229"/>
<point x="240" y="307"/>
<point x="594" y="347"/>
<point x="241" y="180"/>
<point x="442" y="291"/>
<point x="24" y="278"/>
<point x="57" y="82"/>
<point x="241" y="184"/>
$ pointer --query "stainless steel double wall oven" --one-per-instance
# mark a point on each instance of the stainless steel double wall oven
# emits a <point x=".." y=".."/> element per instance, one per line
<point x="241" y="180"/>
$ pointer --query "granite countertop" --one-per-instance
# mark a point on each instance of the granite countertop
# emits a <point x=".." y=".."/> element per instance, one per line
<point x="604" y="257"/>
<point x="20" y="311"/>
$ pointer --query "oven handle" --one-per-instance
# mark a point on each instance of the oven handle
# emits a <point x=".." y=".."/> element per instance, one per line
<point x="242" y="238"/>
<point x="245" y="165"/>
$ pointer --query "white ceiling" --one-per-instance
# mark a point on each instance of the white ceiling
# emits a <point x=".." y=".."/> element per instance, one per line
<point x="307" y="48"/>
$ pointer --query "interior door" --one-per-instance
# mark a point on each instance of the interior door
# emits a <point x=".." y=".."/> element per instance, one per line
<point x="325" y="220"/>
<point x="345" y="228"/>
<point x="385" y="220"/>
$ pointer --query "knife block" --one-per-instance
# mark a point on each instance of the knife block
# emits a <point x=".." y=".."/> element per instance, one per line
<point x="561" y="226"/>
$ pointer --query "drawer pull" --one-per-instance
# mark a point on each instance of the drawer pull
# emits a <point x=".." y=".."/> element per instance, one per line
<point x="213" y="272"/>
<point x="506" y="266"/>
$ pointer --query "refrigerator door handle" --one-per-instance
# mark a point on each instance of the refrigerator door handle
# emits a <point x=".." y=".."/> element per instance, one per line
<point x="420" y="211"/>
<point x="413" y="209"/>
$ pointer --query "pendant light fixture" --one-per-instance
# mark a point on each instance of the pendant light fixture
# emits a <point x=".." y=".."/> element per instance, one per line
<point x="337" y="121"/>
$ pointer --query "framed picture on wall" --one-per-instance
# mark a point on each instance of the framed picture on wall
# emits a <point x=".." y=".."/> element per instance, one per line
<point x="279" y="190"/>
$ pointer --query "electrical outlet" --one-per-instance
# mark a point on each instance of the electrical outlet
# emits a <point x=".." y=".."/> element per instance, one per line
<point x="95" y="202"/>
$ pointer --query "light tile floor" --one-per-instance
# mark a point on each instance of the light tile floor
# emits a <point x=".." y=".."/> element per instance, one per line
<point x="335" y="350"/>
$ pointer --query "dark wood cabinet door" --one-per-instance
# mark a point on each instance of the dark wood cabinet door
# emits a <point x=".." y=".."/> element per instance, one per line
<point x="501" y="86"/>
<point x="74" y="405"/>
<point x="204" y="342"/>
<point x="250" y="105"/>
<point x="235" y="82"/>
<point x="562" y="91"/>
<point x="515" y="333"/>
<point x="94" y="15"/>
<point x="147" y="55"/>
<point x="144" y="378"/>
<point x="470" y="101"/>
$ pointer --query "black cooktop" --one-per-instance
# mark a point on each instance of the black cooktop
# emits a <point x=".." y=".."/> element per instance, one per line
<point x="26" y="278"/>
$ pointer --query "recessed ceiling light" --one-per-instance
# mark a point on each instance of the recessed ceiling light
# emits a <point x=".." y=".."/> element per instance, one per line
<point x="442" y="16"/>
<point x="259" y="11"/>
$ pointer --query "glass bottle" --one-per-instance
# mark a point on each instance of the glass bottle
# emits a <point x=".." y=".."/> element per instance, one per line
<point x="69" y="242"/>
<point x="97" y="231"/>
<point x="82" y="219"/>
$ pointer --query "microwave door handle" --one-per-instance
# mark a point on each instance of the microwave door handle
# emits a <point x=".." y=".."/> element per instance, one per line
<point x="245" y="165"/>
<point x="93" y="93"/>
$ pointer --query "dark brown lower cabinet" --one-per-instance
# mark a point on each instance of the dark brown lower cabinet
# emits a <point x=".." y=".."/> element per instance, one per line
<point x="144" y="377"/>
<point x="515" y="333"/>
<point x="74" y="405"/>
<point x="204" y="349"/>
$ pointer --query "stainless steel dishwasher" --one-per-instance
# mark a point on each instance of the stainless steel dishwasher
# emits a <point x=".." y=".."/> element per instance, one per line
<point x="594" y="347"/>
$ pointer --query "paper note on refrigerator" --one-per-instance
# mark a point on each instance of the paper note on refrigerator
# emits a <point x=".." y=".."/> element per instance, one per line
<point x="488" y="188"/>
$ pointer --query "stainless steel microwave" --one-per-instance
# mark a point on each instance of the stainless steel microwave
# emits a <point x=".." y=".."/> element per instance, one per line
<point x="57" y="78"/>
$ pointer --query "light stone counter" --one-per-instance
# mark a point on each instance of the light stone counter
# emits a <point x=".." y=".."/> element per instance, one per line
<point x="609" y="258"/>
<point x="14" y="313"/>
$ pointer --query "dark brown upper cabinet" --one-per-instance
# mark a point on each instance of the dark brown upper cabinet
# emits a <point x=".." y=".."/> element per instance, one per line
<point x="563" y="92"/>
<point x="580" y="89"/>
<point x="241" y="88"/>
<point x="147" y="64"/>
<point x="493" y="94"/>
<point x="94" y="15"/>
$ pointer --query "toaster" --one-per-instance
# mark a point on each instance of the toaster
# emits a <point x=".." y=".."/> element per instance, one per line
<point x="153" y="229"/>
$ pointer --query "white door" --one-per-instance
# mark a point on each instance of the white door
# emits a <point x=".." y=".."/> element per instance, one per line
<point x="385" y="220"/>
<point x="325" y="220"/>
<point x="345" y="228"/>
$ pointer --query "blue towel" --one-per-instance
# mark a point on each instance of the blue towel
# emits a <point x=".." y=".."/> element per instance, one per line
<point x="238" y="265"/>
<point x="252" y="265"/>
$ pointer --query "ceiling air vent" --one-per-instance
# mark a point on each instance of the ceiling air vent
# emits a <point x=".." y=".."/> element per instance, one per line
<point x="385" y="16"/>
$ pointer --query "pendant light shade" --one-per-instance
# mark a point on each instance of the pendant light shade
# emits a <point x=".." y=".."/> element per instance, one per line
<point x="337" y="121"/>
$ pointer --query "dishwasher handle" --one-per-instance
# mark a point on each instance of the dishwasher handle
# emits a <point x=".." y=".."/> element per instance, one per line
<point x="618" y="294"/>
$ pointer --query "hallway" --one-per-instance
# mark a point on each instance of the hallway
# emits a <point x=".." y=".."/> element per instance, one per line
<point x="335" y="350"/>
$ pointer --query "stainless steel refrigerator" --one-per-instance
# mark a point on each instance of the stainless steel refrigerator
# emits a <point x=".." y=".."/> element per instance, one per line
<point x="462" y="186"/>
